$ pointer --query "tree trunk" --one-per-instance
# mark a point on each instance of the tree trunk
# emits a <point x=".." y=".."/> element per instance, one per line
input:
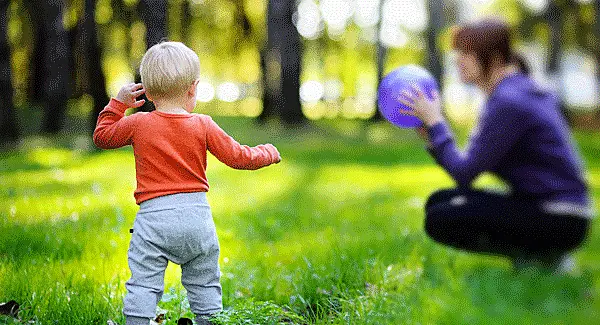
<point x="241" y="19"/>
<point x="597" y="50"/>
<point x="38" y="71"/>
<point x="270" y="81"/>
<point x="91" y="56"/>
<point x="186" y="21"/>
<point x="282" y="65"/>
<point x="9" y="130"/>
<point x="380" y="56"/>
<point x="154" y="16"/>
<point x="55" y="63"/>
<point x="436" y="23"/>
<point x="554" y="18"/>
<point x="555" y="23"/>
<point x="380" y="61"/>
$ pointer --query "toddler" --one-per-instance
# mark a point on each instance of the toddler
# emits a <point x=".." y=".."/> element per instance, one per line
<point x="174" y="222"/>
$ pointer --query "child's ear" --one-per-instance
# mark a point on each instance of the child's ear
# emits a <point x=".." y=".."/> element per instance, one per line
<point x="193" y="88"/>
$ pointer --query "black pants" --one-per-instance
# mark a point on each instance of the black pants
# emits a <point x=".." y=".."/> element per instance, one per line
<point x="492" y="223"/>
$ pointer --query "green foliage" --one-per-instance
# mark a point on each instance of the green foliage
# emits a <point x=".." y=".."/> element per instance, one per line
<point x="332" y="235"/>
<point x="252" y="312"/>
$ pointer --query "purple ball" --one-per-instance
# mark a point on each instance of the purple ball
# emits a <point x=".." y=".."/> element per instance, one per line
<point x="392" y="86"/>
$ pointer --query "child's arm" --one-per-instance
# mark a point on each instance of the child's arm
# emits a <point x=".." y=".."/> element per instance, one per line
<point x="237" y="156"/>
<point x="113" y="129"/>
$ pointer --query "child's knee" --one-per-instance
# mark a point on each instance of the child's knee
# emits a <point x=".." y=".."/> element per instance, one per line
<point x="141" y="301"/>
<point x="440" y="196"/>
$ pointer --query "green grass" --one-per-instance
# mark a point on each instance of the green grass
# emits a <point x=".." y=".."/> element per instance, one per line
<point x="332" y="235"/>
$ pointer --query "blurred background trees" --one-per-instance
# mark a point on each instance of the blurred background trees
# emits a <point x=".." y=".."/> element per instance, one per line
<point x="8" y="123"/>
<point x="289" y="60"/>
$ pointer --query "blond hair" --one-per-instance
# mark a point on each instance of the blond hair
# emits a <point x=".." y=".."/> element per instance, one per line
<point x="168" y="69"/>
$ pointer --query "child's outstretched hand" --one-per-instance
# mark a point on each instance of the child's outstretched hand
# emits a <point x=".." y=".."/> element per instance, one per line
<point x="278" y="159"/>
<point x="128" y="94"/>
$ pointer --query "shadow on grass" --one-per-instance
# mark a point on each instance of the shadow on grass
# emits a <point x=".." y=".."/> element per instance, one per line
<point x="39" y="243"/>
<point x="62" y="240"/>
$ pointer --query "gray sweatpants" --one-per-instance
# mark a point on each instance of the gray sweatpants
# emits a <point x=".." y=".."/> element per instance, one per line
<point x="177" y="228"/>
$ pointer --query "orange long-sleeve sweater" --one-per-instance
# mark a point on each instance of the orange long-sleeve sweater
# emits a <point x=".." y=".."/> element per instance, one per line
<point x="170" y="149"/>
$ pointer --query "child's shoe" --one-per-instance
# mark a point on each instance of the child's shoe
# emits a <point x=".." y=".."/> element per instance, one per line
<point x="185" y="321"/>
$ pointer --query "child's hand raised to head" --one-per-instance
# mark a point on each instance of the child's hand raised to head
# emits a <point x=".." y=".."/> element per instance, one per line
<point x="129" y="93"/>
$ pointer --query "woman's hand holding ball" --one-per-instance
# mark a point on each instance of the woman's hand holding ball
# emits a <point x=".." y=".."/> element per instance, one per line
<point x="428" y="111"/>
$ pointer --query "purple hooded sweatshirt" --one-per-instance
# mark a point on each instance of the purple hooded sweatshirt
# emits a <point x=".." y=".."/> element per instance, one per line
<point x="523" y="138"/>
